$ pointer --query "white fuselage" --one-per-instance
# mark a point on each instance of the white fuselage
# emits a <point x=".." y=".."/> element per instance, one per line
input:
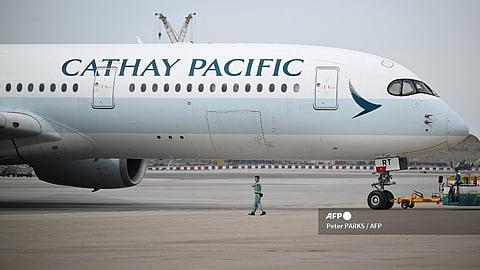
<point x="218" y="101"/>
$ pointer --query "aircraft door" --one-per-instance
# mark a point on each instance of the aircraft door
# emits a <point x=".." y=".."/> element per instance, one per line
<point x="326" y="88"/>
<point x="103" y="88"/>
<point x="236" y="132"/>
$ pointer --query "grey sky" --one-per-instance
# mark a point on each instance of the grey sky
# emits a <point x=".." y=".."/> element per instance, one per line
<point x="438" y="39"/>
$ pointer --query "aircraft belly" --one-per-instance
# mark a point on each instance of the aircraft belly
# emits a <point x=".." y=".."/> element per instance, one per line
<point x="241" y="146"/>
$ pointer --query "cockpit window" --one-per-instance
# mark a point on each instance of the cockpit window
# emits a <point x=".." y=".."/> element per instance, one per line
<point x="395" y="88"/>
<point x="407" y="87"/>
<point x="423" y="88"/>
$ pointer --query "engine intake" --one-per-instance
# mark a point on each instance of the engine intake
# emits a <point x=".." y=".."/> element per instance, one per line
<point x="93" y="173"/>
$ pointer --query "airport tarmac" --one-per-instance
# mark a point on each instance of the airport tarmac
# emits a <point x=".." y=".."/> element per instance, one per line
<point x="198" y="220"/>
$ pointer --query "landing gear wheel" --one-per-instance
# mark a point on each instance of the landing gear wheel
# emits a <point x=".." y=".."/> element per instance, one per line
<point x="404" y="205"/>
<point x="390" y="199"/>
<point x="377" y="200"/>
<point x="411" y="205"/>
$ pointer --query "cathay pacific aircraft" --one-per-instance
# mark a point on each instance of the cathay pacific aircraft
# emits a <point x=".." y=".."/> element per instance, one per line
<point x="90" y="115"/>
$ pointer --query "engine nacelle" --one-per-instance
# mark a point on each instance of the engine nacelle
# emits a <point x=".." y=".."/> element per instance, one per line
<point x="93" y="173"/>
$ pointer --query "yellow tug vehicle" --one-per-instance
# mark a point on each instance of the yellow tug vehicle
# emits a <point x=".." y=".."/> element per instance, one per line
<point x="417" y="197"/>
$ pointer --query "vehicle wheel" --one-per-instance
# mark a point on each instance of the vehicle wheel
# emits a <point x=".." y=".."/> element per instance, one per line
<point x="389" y="199"/>
<point x="411" y="205"/>
<point x="376" y="200"/>
<point x="404" y="205"/>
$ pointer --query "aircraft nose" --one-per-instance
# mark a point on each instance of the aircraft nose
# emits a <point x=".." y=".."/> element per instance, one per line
<point x="457" y="129"/>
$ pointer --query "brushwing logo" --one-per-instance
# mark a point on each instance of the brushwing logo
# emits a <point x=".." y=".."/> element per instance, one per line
<point x="366" y="105"/>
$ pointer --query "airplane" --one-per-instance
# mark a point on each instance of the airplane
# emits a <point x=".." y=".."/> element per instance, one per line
<point x="91" y="115"/>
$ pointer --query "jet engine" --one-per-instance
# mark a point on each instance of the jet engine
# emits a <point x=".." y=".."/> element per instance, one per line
<point x="93" y="173"/>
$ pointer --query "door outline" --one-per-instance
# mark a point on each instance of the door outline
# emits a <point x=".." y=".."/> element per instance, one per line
<point x="236" y="122"/>
<point x="104" y="88"/>
<point x="326" y="88"/>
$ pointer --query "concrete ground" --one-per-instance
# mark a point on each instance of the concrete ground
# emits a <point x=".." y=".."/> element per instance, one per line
<point x="197" y="220"/>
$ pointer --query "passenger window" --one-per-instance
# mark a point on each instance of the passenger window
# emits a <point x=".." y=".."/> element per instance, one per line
<point x="19" y="87"/>
<point x="259" y="87"/>
<point x="296" y="88"/>
<point x="143" y="87"/>
<point x="178" y="87"/>
<point x="53" y="87"/>
<point x="248" y="87"/>
<point x="236" y="87"/>
<point x="200" y="87"/>
<point x="166" y="87"/>
<point x="8" y="87"/>
<point x="271" y="87"/>
<point x="154" y="87"/>
<point x="284" y="87"/>
<point x="64" y="87"/>
<point x="75" y="87"/>
<point x="131" y="87"/>
<point x="212" y="87"/>
<point x="189" y="87"/>
<point x="41" y="87"/>
<point x="30" y="87"/>
<point x="224" y="87"/>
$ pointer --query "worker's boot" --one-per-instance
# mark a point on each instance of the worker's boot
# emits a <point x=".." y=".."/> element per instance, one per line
<point x="251" y="214"/>
<point x="263" y="213"/>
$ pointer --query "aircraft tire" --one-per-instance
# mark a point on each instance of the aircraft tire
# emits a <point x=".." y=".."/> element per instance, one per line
<point x="377" y="200"/>
<point x="389" y="199"/>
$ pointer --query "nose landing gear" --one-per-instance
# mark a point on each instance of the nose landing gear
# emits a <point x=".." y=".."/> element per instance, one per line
<point x="380" y="198"/>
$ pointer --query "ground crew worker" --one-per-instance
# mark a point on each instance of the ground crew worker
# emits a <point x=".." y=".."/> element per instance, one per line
<point x="257" y="203"/>
<point x="458" y="177"/>
<point x="458" y="181"/>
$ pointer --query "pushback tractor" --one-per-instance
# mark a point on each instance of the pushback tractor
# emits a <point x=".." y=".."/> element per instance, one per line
<point x="465" y="194"/>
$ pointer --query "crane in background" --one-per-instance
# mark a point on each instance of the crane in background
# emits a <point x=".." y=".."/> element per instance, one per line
<point x="172" y="34"/>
